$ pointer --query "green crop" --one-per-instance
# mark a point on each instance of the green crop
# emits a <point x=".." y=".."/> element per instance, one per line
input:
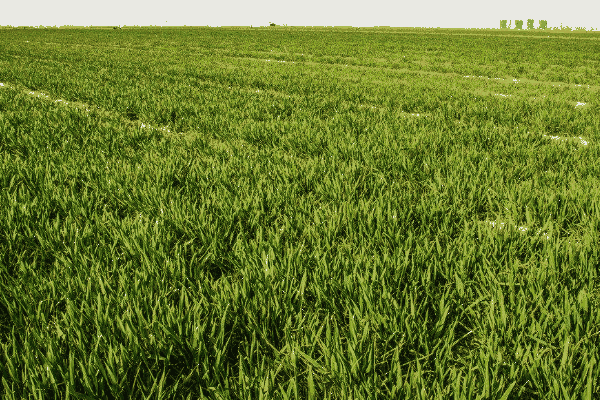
<point x="299" y="214"/>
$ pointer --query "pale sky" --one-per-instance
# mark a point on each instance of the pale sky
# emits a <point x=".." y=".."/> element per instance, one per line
<point x="215" y="13"/>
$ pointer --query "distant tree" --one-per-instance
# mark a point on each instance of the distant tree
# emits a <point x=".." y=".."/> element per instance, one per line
<point x="272" y="24"/>
<point x="529" y="24"/>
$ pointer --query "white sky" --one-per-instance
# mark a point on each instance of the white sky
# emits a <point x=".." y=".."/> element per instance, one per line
<point x="364" y="13"/>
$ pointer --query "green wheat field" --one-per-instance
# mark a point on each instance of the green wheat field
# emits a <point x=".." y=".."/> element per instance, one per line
<point x="299" y="213"/>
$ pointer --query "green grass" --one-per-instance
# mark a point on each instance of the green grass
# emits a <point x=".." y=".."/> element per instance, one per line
<point x="383" y="215"/>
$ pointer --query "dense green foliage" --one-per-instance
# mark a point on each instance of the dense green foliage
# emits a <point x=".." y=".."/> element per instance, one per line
<point x="289" y="213"/>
